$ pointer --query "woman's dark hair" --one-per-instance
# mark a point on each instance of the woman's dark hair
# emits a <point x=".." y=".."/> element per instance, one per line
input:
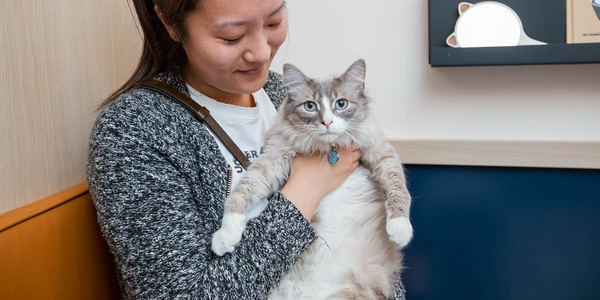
<point x="160" y="51"/>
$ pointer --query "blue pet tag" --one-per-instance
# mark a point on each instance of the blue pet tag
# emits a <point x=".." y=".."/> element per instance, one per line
<point x="333" y="156"/>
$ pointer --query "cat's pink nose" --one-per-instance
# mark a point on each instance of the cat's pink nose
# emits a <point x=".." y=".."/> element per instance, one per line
<point x="327" y="124"/>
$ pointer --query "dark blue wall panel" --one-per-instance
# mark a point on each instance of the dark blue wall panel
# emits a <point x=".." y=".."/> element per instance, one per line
<point x="503" y="233"/>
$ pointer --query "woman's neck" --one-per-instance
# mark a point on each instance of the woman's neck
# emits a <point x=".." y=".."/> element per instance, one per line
<point x="244" y="100"/>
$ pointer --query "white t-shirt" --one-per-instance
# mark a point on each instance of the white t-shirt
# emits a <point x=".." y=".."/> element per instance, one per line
<point x="246" y="126"/>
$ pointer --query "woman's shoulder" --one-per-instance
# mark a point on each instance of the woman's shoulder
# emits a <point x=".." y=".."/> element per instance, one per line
<point x="138" y="105"/>
<point x="145" y="116"/>
<point x="144" y="105"/>
<point x="275" y="88"/>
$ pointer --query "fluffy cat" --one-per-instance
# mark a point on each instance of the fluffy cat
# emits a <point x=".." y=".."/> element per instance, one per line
<point x="363" y="224"/>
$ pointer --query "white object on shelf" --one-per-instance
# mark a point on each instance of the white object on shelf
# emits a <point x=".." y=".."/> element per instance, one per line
<point x="488" y="24"/>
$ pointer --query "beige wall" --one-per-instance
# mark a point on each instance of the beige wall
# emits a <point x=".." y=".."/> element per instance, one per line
<point x="530" y="115"/>
<point x="415" y="101"/>
<point x="58" y="60"/>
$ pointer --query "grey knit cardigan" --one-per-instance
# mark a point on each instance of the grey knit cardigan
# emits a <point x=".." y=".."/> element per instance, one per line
<point x="158" y="182"/>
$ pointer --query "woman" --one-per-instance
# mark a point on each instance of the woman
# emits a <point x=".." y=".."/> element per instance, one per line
<point x="158" y="177"/>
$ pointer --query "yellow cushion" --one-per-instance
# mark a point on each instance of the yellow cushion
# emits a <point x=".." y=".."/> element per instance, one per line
<point x="53" y="249"/>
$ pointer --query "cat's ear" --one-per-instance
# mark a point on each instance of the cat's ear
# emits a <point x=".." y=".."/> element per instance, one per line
<point x="356" y="74"/>
<point x="293" y="77"/>
<point x="463" y="7"/>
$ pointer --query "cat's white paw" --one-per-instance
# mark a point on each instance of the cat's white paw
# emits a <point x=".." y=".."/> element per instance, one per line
<point x="400" y="230"/>
<point x="223" y="242"/>
<point x="230" y="233"/>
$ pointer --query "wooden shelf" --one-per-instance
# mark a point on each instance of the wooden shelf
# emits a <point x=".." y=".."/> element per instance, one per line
<point x="542" y="19"/>
<point x="518" y="55"/>
<point x="504" y="153"/>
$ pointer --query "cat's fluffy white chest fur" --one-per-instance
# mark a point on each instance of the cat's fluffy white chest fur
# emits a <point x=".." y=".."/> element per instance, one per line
<point x="353" y="247"/>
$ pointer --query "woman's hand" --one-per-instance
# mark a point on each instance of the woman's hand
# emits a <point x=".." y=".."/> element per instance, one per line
<point x="312" y="177"/>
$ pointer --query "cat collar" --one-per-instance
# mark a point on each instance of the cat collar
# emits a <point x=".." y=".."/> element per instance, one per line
<point x="333" y="156"/>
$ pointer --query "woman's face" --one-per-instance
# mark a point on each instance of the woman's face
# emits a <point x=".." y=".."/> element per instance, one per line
<point x="230" y="45"/>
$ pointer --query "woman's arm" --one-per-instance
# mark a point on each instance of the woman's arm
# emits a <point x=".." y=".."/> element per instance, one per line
<point x="400" y="291"/>
<point x="157" y="214"/>
<point x="313" y="177"/>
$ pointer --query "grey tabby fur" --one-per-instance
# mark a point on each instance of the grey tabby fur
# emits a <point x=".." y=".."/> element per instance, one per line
<point x="363" y="224"/>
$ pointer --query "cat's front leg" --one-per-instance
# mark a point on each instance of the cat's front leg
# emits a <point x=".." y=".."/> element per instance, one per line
<point x="388" y="172"/>
<point x="397" y="204"/>
<point x="261" y="180"/>
<point x="230" y="233"/>
<point x="399" y="229"/>
<point x="233" y="223"/>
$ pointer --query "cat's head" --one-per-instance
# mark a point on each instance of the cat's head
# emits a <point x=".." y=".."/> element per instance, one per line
<point x="329" y="110"/>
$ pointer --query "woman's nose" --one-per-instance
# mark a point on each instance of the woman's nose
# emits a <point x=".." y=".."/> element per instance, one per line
<point x="259" y="50"/>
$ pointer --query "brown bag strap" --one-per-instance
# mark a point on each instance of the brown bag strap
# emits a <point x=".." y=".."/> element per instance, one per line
<point x="201" y="113"/>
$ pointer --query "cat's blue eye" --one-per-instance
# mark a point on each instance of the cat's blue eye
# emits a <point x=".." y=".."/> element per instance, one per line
<point x="341" y="104"/>
<point x="310" y="106"/>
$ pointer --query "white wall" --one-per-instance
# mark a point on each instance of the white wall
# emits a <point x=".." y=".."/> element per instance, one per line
<point x="415" y="101"/>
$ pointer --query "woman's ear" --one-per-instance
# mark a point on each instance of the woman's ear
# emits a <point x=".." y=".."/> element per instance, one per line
<point x="172" y="32"/>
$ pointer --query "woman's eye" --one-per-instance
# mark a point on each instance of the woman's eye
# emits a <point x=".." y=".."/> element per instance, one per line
<point x="341" y="104"/>
<point x="310" y="106"/>
<point x="233" y="41"/>
<point x="275" y="24"/>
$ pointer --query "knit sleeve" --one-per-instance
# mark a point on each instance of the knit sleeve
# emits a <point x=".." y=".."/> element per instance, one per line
<point x="399" y="290"/>
<point x="158" y="202"/>
<point x="275" y="88"/>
